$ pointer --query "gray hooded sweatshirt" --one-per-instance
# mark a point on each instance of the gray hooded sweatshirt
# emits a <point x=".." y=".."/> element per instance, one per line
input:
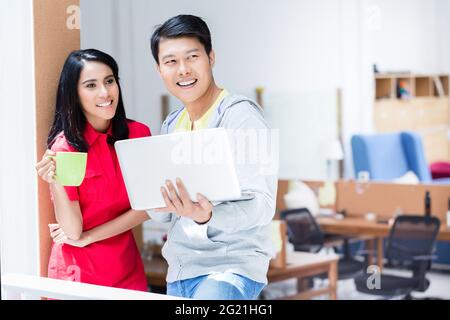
<point x="238" y="237"/>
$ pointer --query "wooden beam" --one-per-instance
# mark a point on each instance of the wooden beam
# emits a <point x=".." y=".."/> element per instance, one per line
<point x="56" y="34"/>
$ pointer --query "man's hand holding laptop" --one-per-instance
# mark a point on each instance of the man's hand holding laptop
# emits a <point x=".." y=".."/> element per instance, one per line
<point x="181" y="204"/>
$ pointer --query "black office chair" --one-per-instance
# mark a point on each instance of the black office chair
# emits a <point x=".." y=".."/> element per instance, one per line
<point x="305" y="234"/>
<point x="410" y="246"/>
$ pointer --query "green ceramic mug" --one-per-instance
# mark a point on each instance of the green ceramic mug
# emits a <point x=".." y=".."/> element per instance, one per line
<point x="70" y="167"/>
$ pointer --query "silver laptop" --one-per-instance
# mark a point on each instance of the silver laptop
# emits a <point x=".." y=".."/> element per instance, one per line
<point x="202" y="159"/>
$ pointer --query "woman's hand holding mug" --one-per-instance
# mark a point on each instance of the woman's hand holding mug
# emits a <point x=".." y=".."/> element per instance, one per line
<point x="46" y="168"/>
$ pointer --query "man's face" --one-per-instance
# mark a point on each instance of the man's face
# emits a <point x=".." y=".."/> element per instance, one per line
<point x="185" y="68"/>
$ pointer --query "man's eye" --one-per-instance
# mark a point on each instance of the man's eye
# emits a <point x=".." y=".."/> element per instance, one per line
<point x="168" y="62"/>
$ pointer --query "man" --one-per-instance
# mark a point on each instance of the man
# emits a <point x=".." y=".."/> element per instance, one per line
<point x="217" y="251"/>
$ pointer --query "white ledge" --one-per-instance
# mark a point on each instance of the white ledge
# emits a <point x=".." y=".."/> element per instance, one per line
<point x="13" y="285"/>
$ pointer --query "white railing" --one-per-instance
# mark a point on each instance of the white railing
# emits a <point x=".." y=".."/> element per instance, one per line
<point x="19" y="287"/>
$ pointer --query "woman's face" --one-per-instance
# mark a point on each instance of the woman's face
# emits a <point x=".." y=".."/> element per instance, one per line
<point x="99" y="94"/>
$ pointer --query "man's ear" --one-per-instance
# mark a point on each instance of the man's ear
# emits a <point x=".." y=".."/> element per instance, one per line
<point x="158" y="69"/>
<point x="212" y="58"/>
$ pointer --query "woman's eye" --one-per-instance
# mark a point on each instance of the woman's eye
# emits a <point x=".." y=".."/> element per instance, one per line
<point x="110" y="81"/>
<point x="90" y="85"/>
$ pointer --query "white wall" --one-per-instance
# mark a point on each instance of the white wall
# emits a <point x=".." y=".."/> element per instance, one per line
<point x="289" y="46"/>
<point x="443" y="31"/>
<point x="18" y="185"/>
<point x="407" y="37"/>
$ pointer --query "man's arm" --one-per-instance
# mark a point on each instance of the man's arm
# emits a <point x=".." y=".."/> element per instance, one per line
<point x="246" y="214"/>
<point x="256" y="155"/>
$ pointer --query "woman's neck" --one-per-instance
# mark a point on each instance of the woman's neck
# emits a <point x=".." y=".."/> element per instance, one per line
<point x="100" y="126"/>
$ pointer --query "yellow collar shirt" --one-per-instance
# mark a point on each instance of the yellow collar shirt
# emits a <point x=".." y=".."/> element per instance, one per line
<point x="184" y="123"/>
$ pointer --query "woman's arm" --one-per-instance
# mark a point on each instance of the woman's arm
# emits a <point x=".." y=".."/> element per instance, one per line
<point x="122" y="223"/>
<point x="68" y="213"/>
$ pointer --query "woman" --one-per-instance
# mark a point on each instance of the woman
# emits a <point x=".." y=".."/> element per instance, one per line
<point x="93" y="241"/>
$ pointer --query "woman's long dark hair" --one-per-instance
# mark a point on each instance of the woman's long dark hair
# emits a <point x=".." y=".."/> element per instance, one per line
<point x="69" y="116"/>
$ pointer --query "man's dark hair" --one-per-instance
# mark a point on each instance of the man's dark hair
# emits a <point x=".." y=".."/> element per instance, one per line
<point x="179" y="26"/>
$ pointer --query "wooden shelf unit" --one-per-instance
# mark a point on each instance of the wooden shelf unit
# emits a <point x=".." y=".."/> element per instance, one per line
<point x="418" y="85"/>
<point x="426" y="109"/>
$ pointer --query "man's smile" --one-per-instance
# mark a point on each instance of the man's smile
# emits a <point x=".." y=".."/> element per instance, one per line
<point x="186" y="84"/>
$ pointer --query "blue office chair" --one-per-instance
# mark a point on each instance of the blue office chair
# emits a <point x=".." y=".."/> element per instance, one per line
<point x="389" y="156"/>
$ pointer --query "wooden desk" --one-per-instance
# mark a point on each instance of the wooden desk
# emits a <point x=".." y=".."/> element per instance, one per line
<point x="303" y="264"/>
<point x="354" y="226"/>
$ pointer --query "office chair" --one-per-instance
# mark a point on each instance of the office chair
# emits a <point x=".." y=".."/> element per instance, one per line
<point x="305" y="234"/>
<point x="388" y="156"/>
<point x="410" y="246"/>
